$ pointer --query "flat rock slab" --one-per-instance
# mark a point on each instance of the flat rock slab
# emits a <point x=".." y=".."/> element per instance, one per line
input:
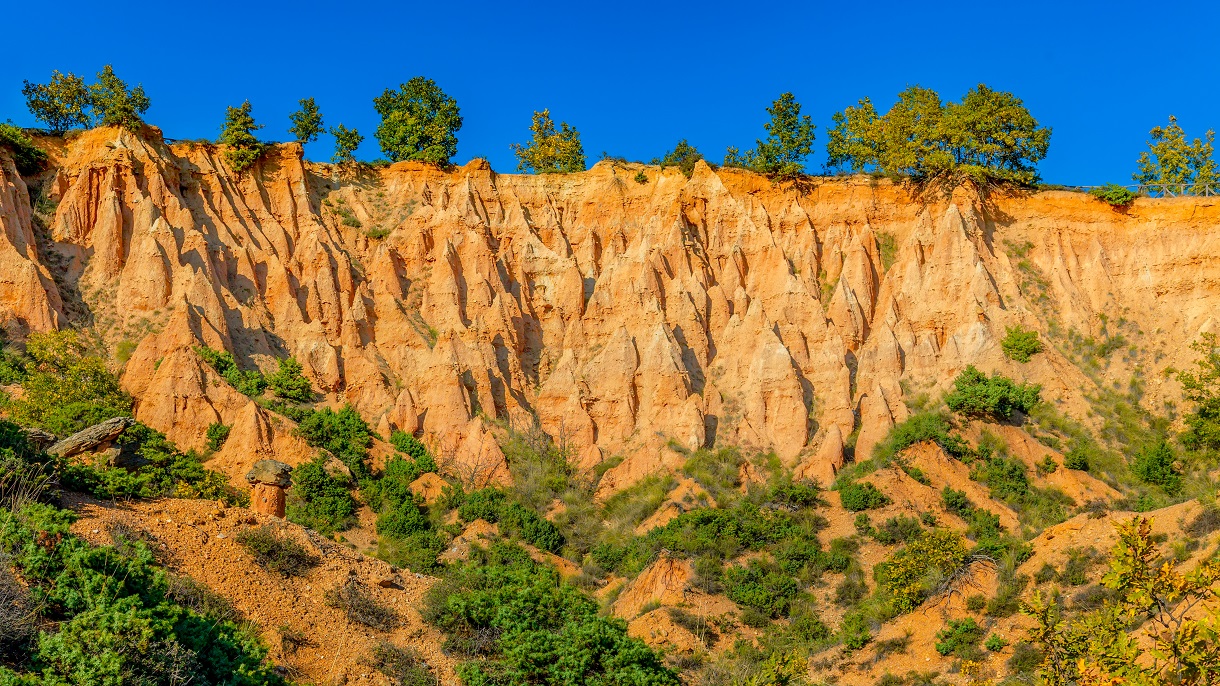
<point x="271" y="472"/>
<point x="88" y="439"/>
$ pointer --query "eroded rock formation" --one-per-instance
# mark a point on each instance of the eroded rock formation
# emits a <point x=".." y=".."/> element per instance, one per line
<point x="631" y="319"/>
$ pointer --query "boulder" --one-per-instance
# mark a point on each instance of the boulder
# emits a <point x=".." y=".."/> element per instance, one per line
<point x="88" y="439"/>
<point x="271" y="473"/>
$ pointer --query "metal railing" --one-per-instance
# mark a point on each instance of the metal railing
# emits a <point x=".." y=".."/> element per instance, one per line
<point x="1163" y="190"/>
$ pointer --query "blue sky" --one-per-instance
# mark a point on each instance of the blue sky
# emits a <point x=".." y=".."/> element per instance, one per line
<point x="636" y="77"/>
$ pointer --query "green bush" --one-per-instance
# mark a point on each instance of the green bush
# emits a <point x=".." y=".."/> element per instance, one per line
<point x="418" y="122"/>
<point x="514" y="518"/>
<point x="110" y="617"/>
<point x="1020" y="344"/>
<point x="861" y="495"/>
<point x="1114" y="195"/>
<point x="518" y="622"/>
<point x="550" y="151"/>
<point x="1202" y="389"/>
<point x="217" y="434"/>
<point x="900" y="529"/>
<point x="1076" y="458"/>
<point x="163" y="471"/>
<point x="854" y="632"/>
<point x="976" y="395"/>
<point x="67" y="387"/>
<point x="921" y="426"/>
<point x="343" y="434"/>
<point x="1155" y="464"/>
<point x="288" y="382"/>
<point x="242" y="148"/>
<point x="684" y="156"/>
<point x="905" y="575"/>
<point x="960" y="638"/>
<point x="412" y="447"/>
<point x="641" y="177"/>
<point x="762" y="587"/>
<point x="318" y="500"/>
<point x="251" y="383"/>
<point x="788" y="144"/>
<point x="29" y="158"/>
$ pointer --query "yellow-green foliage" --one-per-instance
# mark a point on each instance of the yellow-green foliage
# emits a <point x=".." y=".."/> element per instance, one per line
<point x="906" y="574"/>
<point x="242" y="148"/>
<point x="550" y="151"/>
<point x="1178" y="611"/>
<point x="67" y="388"/>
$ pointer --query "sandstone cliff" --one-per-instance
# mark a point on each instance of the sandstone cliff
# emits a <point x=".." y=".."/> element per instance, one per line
<point x="626" y="317"/>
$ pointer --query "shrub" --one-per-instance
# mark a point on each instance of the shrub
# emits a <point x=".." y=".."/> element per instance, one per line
<point x="683" y="156"/>
<point x="550" y="151"/>
<point x="412" y="447"/>
<point x="28" y="157"/>
<point x="1154" y="464"/>
<point x="115" y="617"/>
<point x="857" y="496"/>
<point x="343" y="434"/>
<point x="1020" y="344"/>
<point x="346" y="142"/>
<point x="900" y="529"/>
<point x="67" y="388"/>
<point x="288" y="382"/>
<point x="959" y="638"/>
<point x="518" y="616"/>
<point x="989" y="136"/>
<point x="1076" y="458"/>
<point x="306" y="122"/>
<point x="854" y="631"/>
<point x="216" y="435"/>
<point x="360" y="606"/>
<point x="788" y="144"/>
<point x="61" y="104"/>
<point x="18" y="614"/>
<point x="114" y="104"/>
<point x="921" y="426"/>
<point x="641" y="177"/>
<point x="761" y="587"/>
<point x="1202" y="388"/>
<point x="275" y="552"/>
<point x="905" y="575"/>
<point x="976" y="395"/>
<point x="403" y="666"/>
<point x="320" y="501"/>
<point x="418" y="122"/>
<point x="976" y="602"/>
<point x="1025" y="658"/>
<point x="242" y="149"/>
<point x="251" y="383"/>
<point x="995" y="643"/>
<point x="1114" y="195"/>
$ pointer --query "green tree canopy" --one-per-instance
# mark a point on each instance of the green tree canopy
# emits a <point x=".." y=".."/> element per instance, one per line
<point x="1170" y="159"/>
<point x="1202" y="387"/>
<point x="346" y="142"/>
<point x="683" y="156"/>
<point x="61" y="104"/>
<point x="788" y="144"/>
<point x="306" y="122"/>
<point x="29" y="157"/>
<point x="550" y="151"/>
<point x="418" y="122"/>
<point x="988" y="136"/>
<point x="237" y="134"/>
<point x="114" y="104"/>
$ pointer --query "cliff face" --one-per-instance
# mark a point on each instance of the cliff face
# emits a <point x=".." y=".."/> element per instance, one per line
<point x="626" y="317"/>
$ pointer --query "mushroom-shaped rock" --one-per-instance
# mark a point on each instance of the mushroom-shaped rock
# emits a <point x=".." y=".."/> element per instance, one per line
<point x="269" y="479"/>
<point x="88" y="439"/>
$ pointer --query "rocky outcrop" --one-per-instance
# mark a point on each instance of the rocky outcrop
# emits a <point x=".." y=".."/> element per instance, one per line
<point x="92" y="438"/>
<point x="269" y="478"/>
<point x="633" y="320"/>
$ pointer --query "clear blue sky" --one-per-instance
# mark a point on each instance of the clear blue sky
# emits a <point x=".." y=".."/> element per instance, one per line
<point x="634" y="77"/>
